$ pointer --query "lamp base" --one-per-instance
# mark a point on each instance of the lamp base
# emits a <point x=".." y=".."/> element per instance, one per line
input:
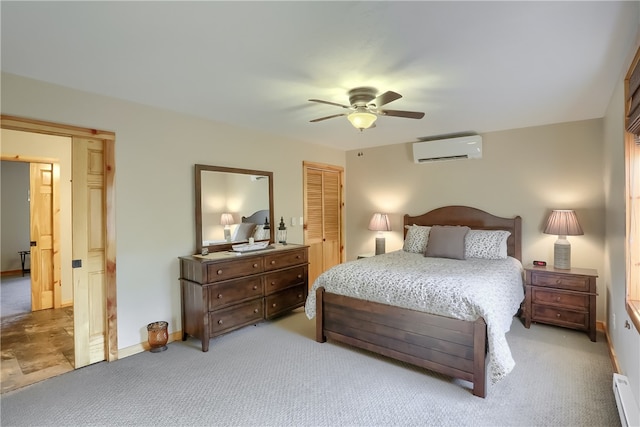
<point x="380" y="245"/>
<point x="562" y="254"/>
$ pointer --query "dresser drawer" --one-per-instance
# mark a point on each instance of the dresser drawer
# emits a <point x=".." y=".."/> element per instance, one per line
<point x="217" y="272"/>
<point x="279" y="280"/>
<point x="285" y="300"/>
<point x="560" y="281"/>
<point x="285" y="259"/>
<point x="559" y="298"/>
<point x="560" y="317"/>
<point x="234" y="317"/>
<point x="234" y="291"/>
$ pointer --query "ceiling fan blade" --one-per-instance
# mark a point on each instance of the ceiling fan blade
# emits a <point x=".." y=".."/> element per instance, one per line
<point x="330" y="103"/>
<point x="385" y="98"/>
<point x="328" y="117"/>
<point x="398" y="113"/>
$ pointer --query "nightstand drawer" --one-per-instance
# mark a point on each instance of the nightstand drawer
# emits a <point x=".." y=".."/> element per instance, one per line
<point x="561" y="299"/>
<point x="560" y="317"/>
<point x="560" y="281"/>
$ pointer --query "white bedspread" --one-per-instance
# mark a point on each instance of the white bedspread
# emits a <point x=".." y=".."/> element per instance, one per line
<point x="462" y="289"/>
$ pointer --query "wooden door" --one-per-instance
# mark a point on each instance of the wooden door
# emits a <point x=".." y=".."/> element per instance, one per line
<point x="45" y="254"/>
<point x="89" y="251"/>
<point x="323" y="217"/>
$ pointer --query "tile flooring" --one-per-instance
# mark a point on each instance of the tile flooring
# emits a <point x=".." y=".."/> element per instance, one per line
<point x="35" y="346"/>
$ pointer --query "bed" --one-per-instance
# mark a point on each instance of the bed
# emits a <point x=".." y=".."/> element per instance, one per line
<point x="460" y="345"/>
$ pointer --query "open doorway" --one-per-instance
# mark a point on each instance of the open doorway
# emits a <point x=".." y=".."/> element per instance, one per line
<point x="36" y="330"/>
<point x="15" y="282"/>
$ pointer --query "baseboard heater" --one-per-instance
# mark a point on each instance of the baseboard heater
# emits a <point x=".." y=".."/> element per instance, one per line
<point x="627" y="407"/>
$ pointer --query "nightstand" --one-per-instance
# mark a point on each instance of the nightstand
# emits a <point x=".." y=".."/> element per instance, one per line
<point x="369" y="255"/>
<point x="561" y="297"/>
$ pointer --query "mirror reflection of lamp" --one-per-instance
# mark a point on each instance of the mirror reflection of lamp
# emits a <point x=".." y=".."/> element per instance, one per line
<point x="227" y="219"/>
<point x="380" y="222"/>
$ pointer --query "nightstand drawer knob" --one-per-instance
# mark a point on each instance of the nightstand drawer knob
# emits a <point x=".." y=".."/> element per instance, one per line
<point x="220" y="322"/>
<point x="219" y="296"/>
<point x="273" y="305"/>
<point x="558" y="299"/>
<point x="558" y="281"/>
<point x="273" y="262"/>
<point x="255" y="265"/>
<point x="558" y="315"/>
<point x="255" y="311"/>
<point x="255" y="287"/>
<point x="219" y="272"/>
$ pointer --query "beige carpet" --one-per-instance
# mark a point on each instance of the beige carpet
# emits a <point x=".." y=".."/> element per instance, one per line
<point x="15" y="295"/>
<point x="275" y="374"/>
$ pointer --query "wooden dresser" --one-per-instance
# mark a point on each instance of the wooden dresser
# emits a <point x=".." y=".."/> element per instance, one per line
<point x="561" y="297"/>
<point x="224" y="291"/>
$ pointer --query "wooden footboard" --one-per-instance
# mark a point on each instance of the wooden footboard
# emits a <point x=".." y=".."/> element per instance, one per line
<point x="452" y="347"/>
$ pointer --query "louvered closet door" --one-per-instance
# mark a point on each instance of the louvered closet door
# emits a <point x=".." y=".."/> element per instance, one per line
<point x="323" y="213"/>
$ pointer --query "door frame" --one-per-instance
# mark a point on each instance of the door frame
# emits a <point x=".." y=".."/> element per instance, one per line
<point x="108" y="138"/>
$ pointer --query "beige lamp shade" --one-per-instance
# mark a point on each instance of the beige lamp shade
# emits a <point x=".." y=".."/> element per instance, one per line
<point x="226" y="219"/>
<point x="379" y="222"/>
<point x="563" y="223"/>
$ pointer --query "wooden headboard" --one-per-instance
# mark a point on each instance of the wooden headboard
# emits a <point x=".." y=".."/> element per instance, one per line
<point x="257" y="217"/>
<point x="473" y="218"/>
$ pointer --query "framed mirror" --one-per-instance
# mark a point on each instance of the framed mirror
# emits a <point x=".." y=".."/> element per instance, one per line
<point x="232" y="206"/>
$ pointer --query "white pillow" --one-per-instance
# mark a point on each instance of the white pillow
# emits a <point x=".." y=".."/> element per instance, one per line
<point x="417" y="238"/>
<point x="487" y="244"/>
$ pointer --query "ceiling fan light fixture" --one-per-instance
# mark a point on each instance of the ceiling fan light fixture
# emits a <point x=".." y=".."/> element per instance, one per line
<point x="362" y="119"/>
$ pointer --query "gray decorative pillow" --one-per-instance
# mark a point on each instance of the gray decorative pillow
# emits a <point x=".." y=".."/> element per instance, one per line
<point x="446" y="241"/>
<point x="487" y="244"/>
<point x="416" y="239"/>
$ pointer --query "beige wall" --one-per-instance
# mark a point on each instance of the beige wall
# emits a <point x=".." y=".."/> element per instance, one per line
<point x="155" y="154"/>
<point x="526" y="172"/>
<point x="48" y="148"/>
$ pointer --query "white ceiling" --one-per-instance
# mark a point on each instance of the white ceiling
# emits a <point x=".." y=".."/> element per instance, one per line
<point x="470" y="66"/>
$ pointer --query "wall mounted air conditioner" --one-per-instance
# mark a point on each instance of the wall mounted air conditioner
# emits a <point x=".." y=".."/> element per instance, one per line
<point x="627" y="408"/>
<point x="464" y="147"/>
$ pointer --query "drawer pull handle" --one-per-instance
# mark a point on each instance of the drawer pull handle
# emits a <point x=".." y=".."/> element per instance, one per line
<point x="255" y="287"/>
<point x="219" y="272"/>
<point x="299" y="295"/>
<point x="273" y="305"/>
<point x="558" y="299"/>
<point x="273" y="262"/>
<point x="273" y="283"/>
<point x="558" y="281"/>
<point x="298" y="256"/>
<point x="220" y="322"/>
<point x="558" y="315"/>
<point x="299" y="276"/>
<point x="219" y="296"/>
<point x="255" y="310"/>
<point x="255" y="265"/>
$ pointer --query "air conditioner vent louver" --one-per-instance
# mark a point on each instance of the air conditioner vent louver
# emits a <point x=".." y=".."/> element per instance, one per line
<point x="465" y="147"/>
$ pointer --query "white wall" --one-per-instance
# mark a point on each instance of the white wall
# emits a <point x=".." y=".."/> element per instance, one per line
<point x="155" y="154"/>
<point x="14" y="232"/>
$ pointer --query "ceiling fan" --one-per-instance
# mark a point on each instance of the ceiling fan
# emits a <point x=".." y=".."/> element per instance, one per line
<point x="365" y="107"/>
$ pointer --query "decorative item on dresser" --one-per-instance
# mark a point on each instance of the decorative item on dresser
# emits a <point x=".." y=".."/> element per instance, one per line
<point x="224" y="291"/>
<point x="561" y="297"/>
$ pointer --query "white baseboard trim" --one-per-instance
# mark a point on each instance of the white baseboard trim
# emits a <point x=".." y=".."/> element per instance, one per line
<point x="144" y="346"/>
